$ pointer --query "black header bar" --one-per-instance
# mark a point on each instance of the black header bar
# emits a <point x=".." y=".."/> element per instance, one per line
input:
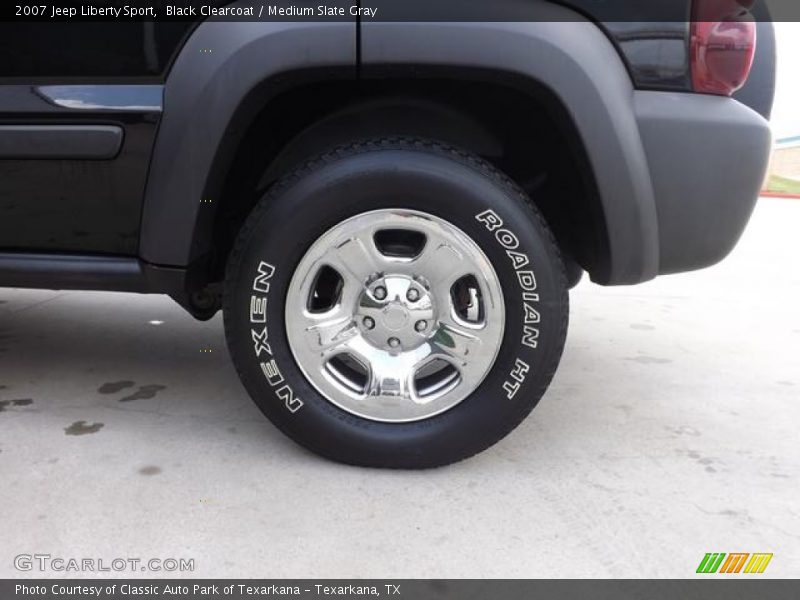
<point x="67" y="11"/>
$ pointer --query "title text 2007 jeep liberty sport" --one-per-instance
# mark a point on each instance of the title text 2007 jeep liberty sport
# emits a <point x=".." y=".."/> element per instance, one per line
<point x="389" y="213"/>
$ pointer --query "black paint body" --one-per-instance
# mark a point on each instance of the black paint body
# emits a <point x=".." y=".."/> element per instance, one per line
<point x="184" y="113"/>
<point x="81" y="74"/>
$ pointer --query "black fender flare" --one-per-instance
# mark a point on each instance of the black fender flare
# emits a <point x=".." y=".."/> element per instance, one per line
<point x="222" y="76"/>
<point x="579" y="64"/>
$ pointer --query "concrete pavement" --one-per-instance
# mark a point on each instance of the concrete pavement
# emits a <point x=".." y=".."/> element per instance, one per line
<point x="671" y="430"/>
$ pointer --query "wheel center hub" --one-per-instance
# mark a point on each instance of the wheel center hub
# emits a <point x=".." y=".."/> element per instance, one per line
<point x="395" y="317"/>
<point x="396" y="313"/>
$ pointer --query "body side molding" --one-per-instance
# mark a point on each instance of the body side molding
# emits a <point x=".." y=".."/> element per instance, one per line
<point x="71" y="272"/>
<point x="93" y="272"/>
<point x="62" y="142"/>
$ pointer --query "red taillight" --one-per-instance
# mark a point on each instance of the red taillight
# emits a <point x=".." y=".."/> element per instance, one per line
<point x="723" y="45"/>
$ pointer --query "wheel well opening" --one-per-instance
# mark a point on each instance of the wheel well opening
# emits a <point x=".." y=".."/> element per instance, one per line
<point x="523" y="130"/>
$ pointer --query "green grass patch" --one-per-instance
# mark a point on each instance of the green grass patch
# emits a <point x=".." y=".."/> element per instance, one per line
<point x="783" y="185"/>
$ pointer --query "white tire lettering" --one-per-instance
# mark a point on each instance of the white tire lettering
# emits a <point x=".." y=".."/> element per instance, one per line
<point x="490" y="219"/>
<point x="260" y="342"/>
<point x="518" y="258"/>
<point x="287" y="395"/>
<point x="530" y="336"/>
<point x="265" y="273"/>
<point x="258" y="309"/>
<point x="531" y="315"/>
<point x="258" y="316"/>
<point x="509" y="241"/>
<point x="272" y="372"/>
<point x="527" y="280"/>
<point x="518" y="375"/>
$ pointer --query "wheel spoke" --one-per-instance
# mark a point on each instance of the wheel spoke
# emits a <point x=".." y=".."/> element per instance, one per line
<point x="455" y="343"/>
<point x="442" y="265"/>
<point x="356" y="259"/>
<point x="440" y="260"/>
<point x="330" y="335"/>
<point x="389" y="379"/>
<point x="389" y="384"/>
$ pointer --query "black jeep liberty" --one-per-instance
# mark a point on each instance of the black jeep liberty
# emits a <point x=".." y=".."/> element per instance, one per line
<point x="389" y="213"/>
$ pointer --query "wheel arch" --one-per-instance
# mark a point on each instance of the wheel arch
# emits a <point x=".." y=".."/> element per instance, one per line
<point x="516" y="124"/>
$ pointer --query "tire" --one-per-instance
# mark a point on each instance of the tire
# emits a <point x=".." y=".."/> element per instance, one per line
<point x="440" y="186"/>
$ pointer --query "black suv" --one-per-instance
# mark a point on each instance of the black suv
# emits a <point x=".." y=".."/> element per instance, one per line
<point x="390" y="213"/>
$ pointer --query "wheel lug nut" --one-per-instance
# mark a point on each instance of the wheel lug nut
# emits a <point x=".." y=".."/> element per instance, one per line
<point x="412" y="295"/>
<point x="369" y="322"/>
<point x="394" y="343"/>
<point x="421" y="326"/>
<point x="380" y="292"/>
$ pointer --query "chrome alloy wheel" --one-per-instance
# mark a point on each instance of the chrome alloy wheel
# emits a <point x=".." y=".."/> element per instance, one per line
<point x="395" y="315"/>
